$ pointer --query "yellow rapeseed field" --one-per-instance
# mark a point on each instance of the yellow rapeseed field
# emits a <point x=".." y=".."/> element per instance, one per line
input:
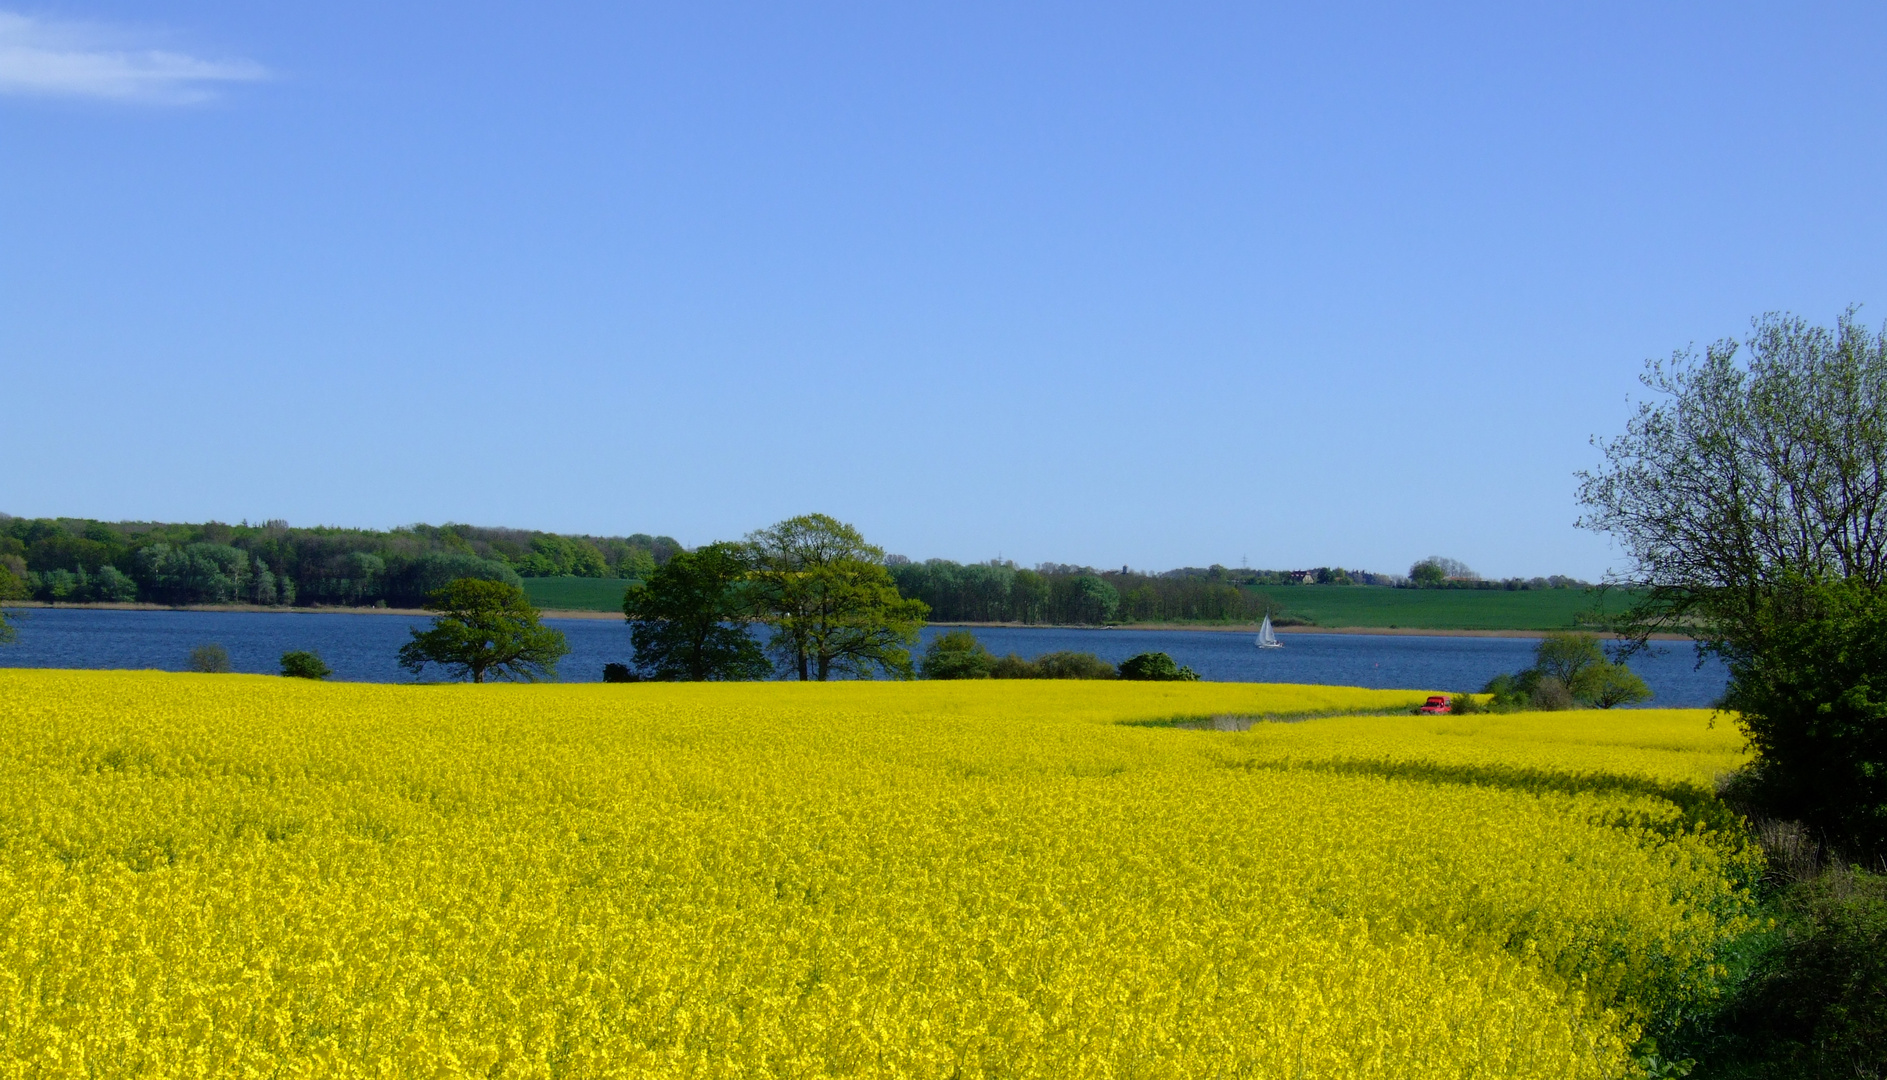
<point x="250" y="876"/>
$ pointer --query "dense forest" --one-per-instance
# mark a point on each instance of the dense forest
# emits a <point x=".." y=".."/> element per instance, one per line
<point x="75" y="560"/>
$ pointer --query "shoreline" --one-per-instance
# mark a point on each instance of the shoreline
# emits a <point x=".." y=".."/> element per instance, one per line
<point x="558" y="613"/>
<point x="1376" y="631"/>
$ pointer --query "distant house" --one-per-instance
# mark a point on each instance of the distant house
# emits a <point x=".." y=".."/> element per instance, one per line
<point x="1303" y="577"/>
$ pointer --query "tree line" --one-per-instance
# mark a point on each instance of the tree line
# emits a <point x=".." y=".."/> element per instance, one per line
<point x="69" y="560"/>
<point x="1059" y="594"/>
<point x="1065" y="595"/>
<point x="1440" y="572"/>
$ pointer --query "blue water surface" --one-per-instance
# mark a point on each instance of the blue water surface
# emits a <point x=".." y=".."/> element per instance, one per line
<point x="364" y="647"/>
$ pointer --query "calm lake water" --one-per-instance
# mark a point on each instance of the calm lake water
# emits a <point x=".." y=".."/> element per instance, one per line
<point x="363" y="648"/>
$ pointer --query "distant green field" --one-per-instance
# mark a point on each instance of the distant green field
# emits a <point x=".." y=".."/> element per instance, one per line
<point x="1333" y="606"/>
<point x="576" y="593"/>
<point x="1442" y="609"/>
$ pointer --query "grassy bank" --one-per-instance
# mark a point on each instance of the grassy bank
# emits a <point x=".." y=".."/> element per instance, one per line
<point x="1338" y="606"/>
<point x="576" y="593"/>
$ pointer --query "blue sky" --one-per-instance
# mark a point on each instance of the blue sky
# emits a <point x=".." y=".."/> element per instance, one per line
<point x="1158" y="286"/>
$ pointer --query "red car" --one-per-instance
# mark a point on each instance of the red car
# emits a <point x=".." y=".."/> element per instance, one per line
<point x="1435" y="705"/>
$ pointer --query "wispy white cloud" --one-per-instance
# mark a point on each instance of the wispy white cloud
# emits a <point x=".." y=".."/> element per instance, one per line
<point x="87" y="60"/>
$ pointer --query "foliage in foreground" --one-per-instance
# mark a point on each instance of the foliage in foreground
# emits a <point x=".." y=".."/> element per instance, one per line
<point x="1808" y="699"/>
<point x="1812" y="1004"/>
<point x="241" y="874"/>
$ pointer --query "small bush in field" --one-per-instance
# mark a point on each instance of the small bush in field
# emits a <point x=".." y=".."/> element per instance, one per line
<point x="210" y="659"/>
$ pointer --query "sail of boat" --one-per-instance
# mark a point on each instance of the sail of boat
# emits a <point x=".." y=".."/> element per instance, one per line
<point x="1266" y="638"/>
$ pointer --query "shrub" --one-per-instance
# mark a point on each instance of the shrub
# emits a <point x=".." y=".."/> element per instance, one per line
<point x="956" y="655"/>
<point x="1074" y="665"/>
<point x="1464" y="704"/>
<point x="619" y="673"/>
<point x="1550" y="695"/>
<point x="1014" y="667"/>
<point x="1155" y="667"/>
<point x="210" y="659"/>
<point x="303" y="665"/>
<point x="1055" y="665"/>
<point x="1506" y="694"/>
<point x="1814" y="705"/>
<point x="1815" y="1002"/>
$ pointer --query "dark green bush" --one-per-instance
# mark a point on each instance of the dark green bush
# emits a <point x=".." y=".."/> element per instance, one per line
<point x="956" y="655"/>
<point x="1074" y="665"/>
<point x="1809" y="700"/>
<point x="1155" y="667"/>
<point x="619" y="673"/>
<point x="1055" y="665"/>
<point x="304" y="665"/>
<point x="1506" y="694"/>
<point x="1014" y="667"/>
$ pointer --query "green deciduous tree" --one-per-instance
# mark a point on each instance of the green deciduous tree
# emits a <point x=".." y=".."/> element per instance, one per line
<point x="485" y="627"/>
<point x="1610" y="685"/>
<point x="832" y="604"/>
<point x="13" y="578"/>
<point x="1750" y="495"/>
<point x="1572" y="658"/>
<point x="689" y="619"/>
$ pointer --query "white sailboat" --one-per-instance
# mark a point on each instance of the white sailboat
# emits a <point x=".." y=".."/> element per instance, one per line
<point x="1267" y="639"/>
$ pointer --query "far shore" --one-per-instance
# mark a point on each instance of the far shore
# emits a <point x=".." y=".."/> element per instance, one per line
<point x="1252" y="628"/>
<point x="554" y="613"/>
